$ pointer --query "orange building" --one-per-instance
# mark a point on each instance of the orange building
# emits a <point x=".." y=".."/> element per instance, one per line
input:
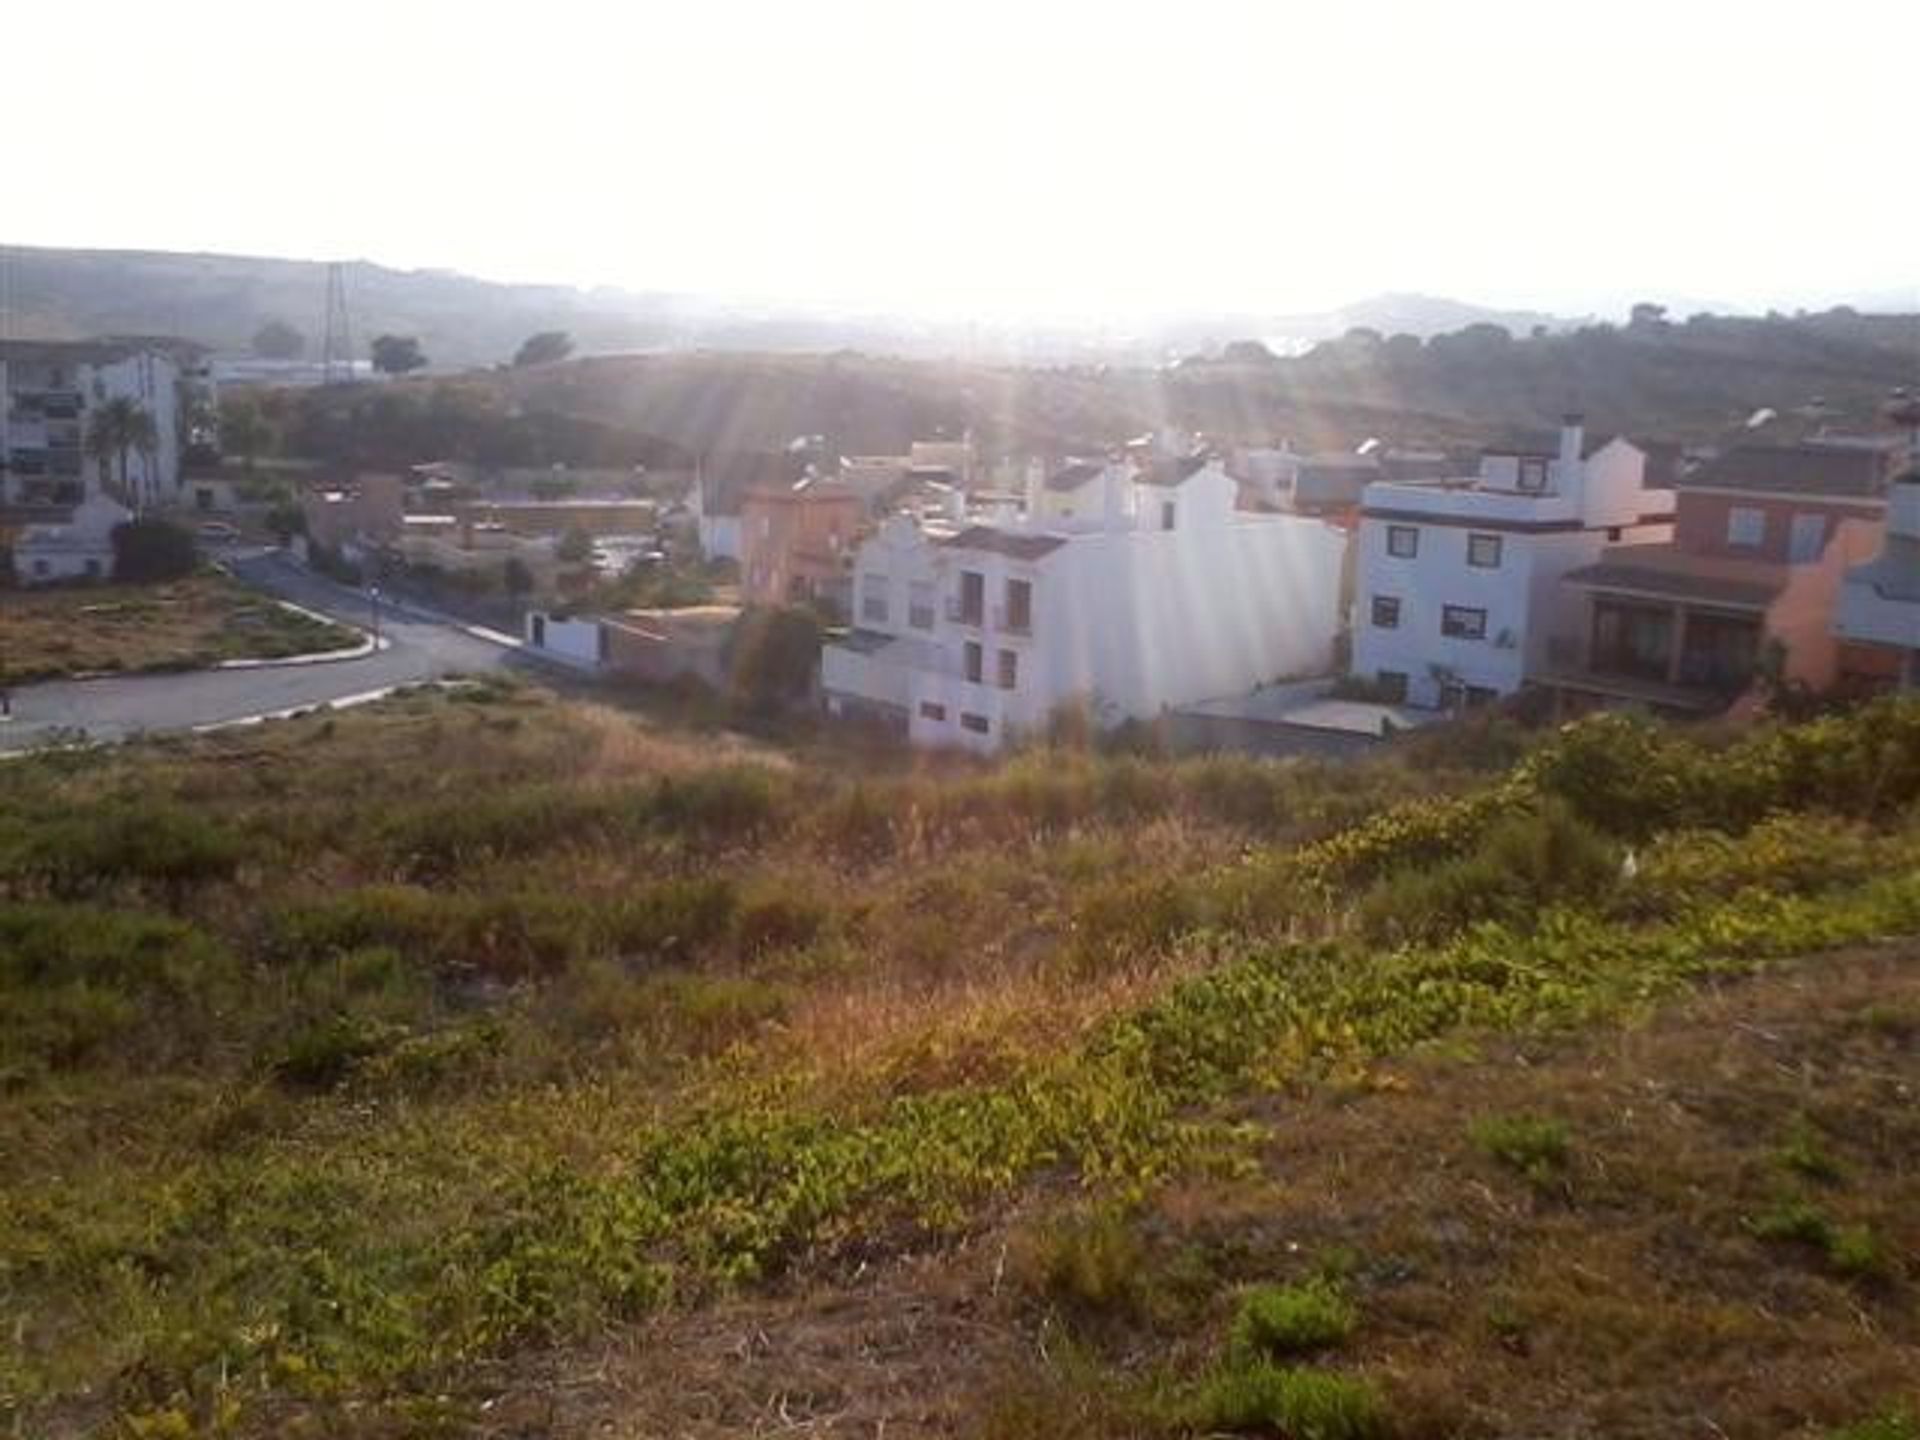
<point x="796" y="543"/>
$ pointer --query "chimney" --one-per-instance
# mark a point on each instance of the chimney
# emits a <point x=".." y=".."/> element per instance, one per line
<point x="1573" y="439"/>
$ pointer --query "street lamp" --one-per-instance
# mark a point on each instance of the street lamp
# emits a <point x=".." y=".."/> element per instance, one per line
<point x="373" y="599"/>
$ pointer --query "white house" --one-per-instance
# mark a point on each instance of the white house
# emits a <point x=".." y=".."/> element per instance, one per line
<point x="1879" y="603"/>
<point x="1160" y="593"/>
<point x="77" y="547"/>
<point x="1458" y="596"/>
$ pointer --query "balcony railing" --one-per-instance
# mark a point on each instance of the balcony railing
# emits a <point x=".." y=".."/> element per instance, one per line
<point x="1005" y="619"/>
<point x="962" y="615"/>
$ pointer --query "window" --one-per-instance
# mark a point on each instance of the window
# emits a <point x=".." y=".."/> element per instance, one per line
<point x="1533" y="474"/>
<point x="1746" y="527"/>
<point x="920" y="604"/>
<point x="1020" y="606"/>
<point x="1483" y="552"/>
<point x="973" y="597"/>
<point x="873" y="599"/>
<point x="1393" y="686"/>
<point x="1481" y="695"/>
<point x="931" y="711"/>
<point x="1403" y="541"/>
<point x="976" y="661"/>
<point x="1386" y="612"/>
<point x="40" y="567"/>
<point x="1166" y="514"/>
<point x="976" y="723"/>
<point x="1463" y="622"/>
<point x="1009" y="669"/>
<point x="1807" y="539"/>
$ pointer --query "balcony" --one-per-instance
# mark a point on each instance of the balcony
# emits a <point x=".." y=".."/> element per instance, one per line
<point x="960" y="614"/>
<point x="1006" y="620"/>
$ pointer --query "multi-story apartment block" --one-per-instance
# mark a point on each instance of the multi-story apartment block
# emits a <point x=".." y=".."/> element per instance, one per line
<point x="58" y="502"/>
<point x="1458" y="596"/>
<point x="1763" y="540"/>
<point x="1159" y="593"/>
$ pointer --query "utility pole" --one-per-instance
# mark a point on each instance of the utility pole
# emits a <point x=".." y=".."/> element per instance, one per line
<point x="336" y="351"/>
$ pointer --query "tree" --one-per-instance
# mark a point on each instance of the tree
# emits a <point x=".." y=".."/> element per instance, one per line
<point x="574" y="547"/>
<point x="148" y="551"/>
<point x="1247" y="352"/>
<point x="117" y="429"/>
<point x="244" y="430"/>
<point x="773" y="655"/>
<point x="516" y="577"/>
<point x="1647" y="316"/>
<point x="277" y="340"/>
<point x="397" y="354"/>
<point x="544" y="348"/>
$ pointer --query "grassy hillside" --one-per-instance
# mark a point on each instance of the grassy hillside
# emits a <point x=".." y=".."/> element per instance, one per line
<point x="475" y="1063"/>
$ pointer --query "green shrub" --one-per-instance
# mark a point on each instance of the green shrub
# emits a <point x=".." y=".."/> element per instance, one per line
<point x="1895" y="1424"/>
<point x="1299" y="1404"/>
<point x="1280" y="1320"/>
<point x="147" y="551"/>
<point x="1534" y="1145"/>
<point x="321" y="1055"/>
<point x="777" y="920"/>
<point x="671" y="920"/>
<point x="727" y="802"/>
<point x="161" y="844"/>
<point x="1090" y="1264"/>
<point x="1856" y="1250"/>
<point x="1803" y="1153"/>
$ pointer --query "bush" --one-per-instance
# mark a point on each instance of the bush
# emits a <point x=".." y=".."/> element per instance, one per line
<point x="1534" y="1145"/>
<point x="772" y="656"/>
<point x="1292" y="1320"/>
<point x="1299" y="1404"/>
<point x="1089" y="1264"/>
<point x="161" y="844"/>
<point x="146" y="551"/>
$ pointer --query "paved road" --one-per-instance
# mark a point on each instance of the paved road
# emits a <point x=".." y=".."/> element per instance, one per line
<point x="421" y="648"/>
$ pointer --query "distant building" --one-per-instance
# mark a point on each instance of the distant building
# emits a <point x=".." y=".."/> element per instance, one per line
<point x="1748" y="585"/>
<point x="1457" y="591"/>
<point x="1879" y="606"/>
<point x="1155" y="595"/>
<point x="49" y="393"/>
<point x="796" y="542"/>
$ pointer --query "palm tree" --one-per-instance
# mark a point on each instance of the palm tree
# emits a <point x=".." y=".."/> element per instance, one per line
<point x="245" y="430"/>
<point x="117" y="429"/>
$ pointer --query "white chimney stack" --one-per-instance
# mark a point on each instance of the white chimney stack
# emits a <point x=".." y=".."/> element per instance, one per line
<point x="1573" y="439"/>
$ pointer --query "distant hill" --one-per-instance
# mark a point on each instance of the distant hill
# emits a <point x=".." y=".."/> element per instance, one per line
<point x="223" y="300"/>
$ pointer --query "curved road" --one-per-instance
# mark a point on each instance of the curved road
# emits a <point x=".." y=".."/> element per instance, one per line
<point x="421" y="647"/>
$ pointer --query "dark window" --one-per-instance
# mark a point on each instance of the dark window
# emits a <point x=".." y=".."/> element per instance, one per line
<point x="976" y="723"/>
<point x="1020" y="605"/>
<point x="1463" y="622"/>
<point x="975" y="661"/>
<point x="1166" y="514"/>
<point x="1481" y="695"/>
<point x="973" y="596"/>
<point x="1386" y="612"/>
<point x="1483" y="552"/>
<point x="1403" y="541"/>
<point x="931" y="711"/>
<point x="1393" y="685"/>
<point x="1533" y="474"/>
<point x="1009" y="669"/>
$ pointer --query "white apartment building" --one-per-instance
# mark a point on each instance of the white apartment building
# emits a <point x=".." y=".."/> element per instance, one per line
<point x="51" y="390"/>
<point x="1879" y="603"/>
<point x="1158" y="593"/>
<point x="1458" y="596"/>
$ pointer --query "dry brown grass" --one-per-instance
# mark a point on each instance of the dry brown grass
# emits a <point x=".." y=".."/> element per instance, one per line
<point x="180" y="625"/>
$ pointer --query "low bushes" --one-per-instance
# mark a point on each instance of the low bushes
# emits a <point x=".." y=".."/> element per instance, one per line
<point x="1292" y="1320"/>
<point x="1264" y="1398"/>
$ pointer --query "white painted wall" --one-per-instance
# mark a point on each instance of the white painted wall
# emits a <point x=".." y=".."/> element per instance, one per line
<point x="1132" y="620"/>
<point x="575" y="640"/>
<point x="1601" y="502"/>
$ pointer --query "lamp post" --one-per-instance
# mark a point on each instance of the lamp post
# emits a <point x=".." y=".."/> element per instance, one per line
<point x="373" y="599"/>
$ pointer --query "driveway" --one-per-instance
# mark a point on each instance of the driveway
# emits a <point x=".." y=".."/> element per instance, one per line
<point x="420" y="647"/>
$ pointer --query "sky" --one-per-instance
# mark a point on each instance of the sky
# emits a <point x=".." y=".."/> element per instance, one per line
<point x="1039" y="159"/>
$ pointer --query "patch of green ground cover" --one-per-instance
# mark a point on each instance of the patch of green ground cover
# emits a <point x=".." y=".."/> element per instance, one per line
<point x="307" y="1273"/>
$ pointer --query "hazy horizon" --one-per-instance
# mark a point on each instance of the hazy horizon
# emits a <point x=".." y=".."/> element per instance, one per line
<point x="1009" y="163"/>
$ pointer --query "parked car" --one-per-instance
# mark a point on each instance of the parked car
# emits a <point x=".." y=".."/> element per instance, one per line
<point x="219" y="531"/>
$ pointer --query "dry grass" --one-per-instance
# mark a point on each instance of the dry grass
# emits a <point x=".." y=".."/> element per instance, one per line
<point x="184" y="624"/>
<point x="1635" y="1303"/>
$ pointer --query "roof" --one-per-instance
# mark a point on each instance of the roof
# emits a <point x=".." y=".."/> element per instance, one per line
<point x="1167" y="473"/>
<point x="1014" y="545"/>
<point x="1841" y="472"/>
<point x="76" y="352"/>
<point x="1073" y="475"/>
<point x="1667" y="570"/>
<point x="1547" y="447"/>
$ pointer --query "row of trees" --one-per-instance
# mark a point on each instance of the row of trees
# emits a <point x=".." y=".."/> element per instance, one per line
<point x="400" y="354"/>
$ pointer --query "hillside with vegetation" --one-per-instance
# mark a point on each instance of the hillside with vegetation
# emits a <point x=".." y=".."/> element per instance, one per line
<point x="1701" y="381"/>
<point x="480" y="1063"/>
